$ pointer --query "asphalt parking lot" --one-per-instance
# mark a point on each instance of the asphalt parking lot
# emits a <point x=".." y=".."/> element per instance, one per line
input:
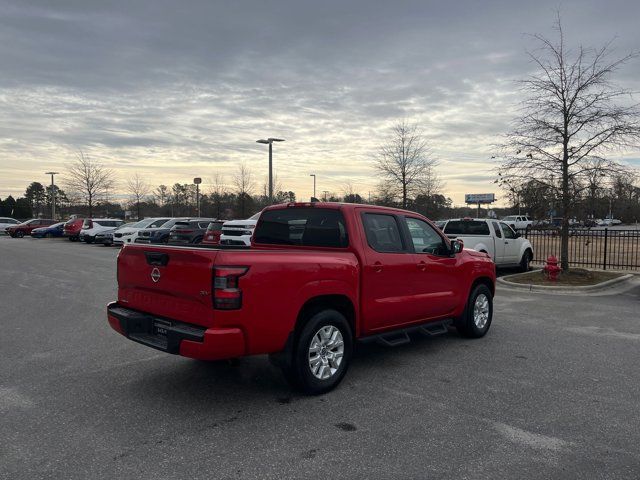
<point x="553" y="391"/>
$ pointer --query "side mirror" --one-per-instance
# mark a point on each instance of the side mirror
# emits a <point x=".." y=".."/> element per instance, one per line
<point x="456" y="246"/>
<point x="518" y="235"/>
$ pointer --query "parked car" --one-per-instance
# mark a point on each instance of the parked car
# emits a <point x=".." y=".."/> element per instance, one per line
<point x="238" y="232"/>
<point x="22" y="229"/>
<point x="105" y="237"/>
<point x="317" y="278"/>
<point x="92" y="226"/>
<point x="55" y="230"/>
<point x="212" y="235"/>
<point x="189" y="231"/>
<point x="518" y="222"/>
<point x="72" y="228"/>
<point x="129" y="233"/>
<point x="608" y="222"/>
<point x="6" y="222"/>
<point x="157" y="234"/>
<point x="506" y="247"/>
<point x="440" y="224"/>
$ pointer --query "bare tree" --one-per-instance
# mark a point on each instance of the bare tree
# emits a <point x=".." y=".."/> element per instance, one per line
<point x="138" y="190"/>
<point x="244" y="183"/>
<point x="89" y="179"/>
<point x="405" y="162"/>
<point x="569" y="121"/>
<point x="216" y="192"/>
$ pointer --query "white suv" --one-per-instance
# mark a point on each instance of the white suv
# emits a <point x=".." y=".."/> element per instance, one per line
<point x="518" y="222"/>
<point x="7" y="222"/>
<point x="129" y="233"/>
<point x="92" y="226"/>
<point x="238" y="232"/>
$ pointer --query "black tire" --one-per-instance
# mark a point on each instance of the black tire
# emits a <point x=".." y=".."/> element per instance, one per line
<point x="88" y="240"/>
<point x="19" y="234"/>
<point x="197" y="240"/>
<point x="527" y="256"/>
<point x="298" y="371"/>
<point x="49" y="235"/>
<point x="466" y="325"/>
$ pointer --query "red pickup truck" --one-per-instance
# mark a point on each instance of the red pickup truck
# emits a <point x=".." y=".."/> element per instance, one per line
<point x="318" y="277"/>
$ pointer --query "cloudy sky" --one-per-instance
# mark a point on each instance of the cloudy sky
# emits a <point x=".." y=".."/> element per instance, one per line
<point x="174" y="90"/>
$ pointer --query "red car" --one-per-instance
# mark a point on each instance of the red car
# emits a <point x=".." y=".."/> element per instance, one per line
<point x="22" y="229"/>
<point x="72" y="229"/>
<point x="318" y="277"/>
<point x="212" y="234"/>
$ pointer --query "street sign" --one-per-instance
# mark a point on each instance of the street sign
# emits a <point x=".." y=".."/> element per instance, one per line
<point x="197" y="180"/>
<point x="479" y="198"/>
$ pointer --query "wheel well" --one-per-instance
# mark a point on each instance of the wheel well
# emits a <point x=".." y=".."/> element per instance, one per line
<point x="341" y="303"/>
<point x="485" y="281"/>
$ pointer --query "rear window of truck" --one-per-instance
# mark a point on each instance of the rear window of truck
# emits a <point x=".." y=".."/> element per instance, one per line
<point x="466" y="227"/>
<point x="309" y="227"/>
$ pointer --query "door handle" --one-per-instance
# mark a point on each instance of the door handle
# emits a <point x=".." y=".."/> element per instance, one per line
<point x="377" y="267"/>
<point x="422" y="266"/>
<point x="506" y="243"/>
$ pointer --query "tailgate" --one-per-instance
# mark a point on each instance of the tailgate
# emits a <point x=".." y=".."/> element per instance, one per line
<point x="171" y="282"/>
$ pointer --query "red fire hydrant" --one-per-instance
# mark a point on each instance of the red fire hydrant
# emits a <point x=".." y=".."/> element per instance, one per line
<point x="551" y="269"/>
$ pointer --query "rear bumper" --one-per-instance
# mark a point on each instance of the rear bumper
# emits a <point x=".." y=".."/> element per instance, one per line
<point x="176" y="337"/>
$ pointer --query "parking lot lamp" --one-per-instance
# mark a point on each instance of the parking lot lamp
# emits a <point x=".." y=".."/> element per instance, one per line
<point x="197" y="181"/>
<point x="269" y="141"/>
<point x="53" y="195"/>
<point x="314" y="184"/>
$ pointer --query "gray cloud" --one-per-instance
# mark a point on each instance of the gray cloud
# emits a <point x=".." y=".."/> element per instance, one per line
<point x="174" y="88"/>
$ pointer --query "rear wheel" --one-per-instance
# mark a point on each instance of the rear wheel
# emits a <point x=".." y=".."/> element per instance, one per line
<point x="476" y="319"/>
<point x="197" y="240"/>
<point x="321" y="353"/>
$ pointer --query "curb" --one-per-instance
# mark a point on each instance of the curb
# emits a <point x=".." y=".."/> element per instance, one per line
<point x="564" y="289"/>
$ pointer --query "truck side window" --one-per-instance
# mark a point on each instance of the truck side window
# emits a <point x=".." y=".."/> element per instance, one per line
<point x="425" y="239"/>
<point x="508" y="231"/>
<point x="496" y="227"/>
<point x="383" y="234"/>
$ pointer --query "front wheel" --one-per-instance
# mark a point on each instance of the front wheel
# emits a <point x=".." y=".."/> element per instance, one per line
<point x="525" y="261"/>
<point x="19" y="234"/>
<point x="476" y="319"/>
<point x="321" y="353"/>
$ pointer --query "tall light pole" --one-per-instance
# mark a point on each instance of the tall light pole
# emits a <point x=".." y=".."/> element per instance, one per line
<point x="326" y="192"/>
<point x="53" y="195"/>
<point x="197" y="181"/>
<point x="269" y="141"/>
<point x="314" y="184"/>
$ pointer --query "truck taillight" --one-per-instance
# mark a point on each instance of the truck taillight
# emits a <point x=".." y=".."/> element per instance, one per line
<point x="227" y="294"/>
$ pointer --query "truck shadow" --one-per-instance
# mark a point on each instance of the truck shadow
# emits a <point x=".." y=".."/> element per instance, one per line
<point x="192" y="383"/>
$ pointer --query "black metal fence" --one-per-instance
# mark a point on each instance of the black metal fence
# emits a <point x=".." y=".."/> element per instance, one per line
<point x="604" y="248"/>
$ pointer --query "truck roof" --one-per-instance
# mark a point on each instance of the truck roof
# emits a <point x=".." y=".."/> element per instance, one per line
<point x="338" y="205"/>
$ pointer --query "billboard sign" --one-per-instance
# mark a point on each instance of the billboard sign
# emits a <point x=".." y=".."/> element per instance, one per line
<point x="479" y="197"/>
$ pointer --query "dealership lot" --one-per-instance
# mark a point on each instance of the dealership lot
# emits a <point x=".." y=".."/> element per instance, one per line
<point x="553" y="391"/>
